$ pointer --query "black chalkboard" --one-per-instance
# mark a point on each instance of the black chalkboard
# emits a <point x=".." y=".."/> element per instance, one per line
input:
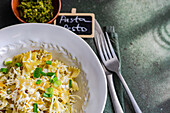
<point x="80" y="24"/>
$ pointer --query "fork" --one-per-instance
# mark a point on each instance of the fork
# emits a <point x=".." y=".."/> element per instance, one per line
<point x="116" y="104"/>
<point x="112" y="64"/>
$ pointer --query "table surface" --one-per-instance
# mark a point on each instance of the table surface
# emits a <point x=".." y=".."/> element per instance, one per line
<point x="143" y="27"/>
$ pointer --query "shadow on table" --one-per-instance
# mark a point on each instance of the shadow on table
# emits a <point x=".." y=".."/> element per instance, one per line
<point x="162" y="35"/>
<point x="157" y="20"/>
<point x="164" y="107"/>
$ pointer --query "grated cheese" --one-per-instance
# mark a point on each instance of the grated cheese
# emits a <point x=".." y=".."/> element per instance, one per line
<point x="21" y="88"/>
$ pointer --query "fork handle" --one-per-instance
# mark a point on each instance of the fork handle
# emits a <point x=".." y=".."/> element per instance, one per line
<point x="132" y="99"/>
<point x="116" y="104"/>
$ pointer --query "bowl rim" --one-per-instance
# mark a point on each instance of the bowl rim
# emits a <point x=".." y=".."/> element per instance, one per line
<point x="59" y="9"/>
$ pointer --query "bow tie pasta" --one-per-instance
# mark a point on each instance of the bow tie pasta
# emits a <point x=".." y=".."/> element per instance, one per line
<point x="33" y="82"/>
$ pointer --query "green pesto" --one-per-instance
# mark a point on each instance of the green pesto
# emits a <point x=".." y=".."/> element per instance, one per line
<point x="36" y="11"/>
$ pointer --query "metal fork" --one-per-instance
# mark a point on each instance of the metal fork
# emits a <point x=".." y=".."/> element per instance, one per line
<point x="112" y="64"/>
<point x="116" y="104"/>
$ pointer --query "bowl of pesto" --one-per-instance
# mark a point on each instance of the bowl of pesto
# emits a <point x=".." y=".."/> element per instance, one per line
<point x="36" y="11"/>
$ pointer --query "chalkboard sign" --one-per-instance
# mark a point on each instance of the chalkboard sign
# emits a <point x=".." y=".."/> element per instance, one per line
<point x="80" y="23"/>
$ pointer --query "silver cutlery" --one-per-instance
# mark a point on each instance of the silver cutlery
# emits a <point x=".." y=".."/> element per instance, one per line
<point x="112" y="64"/>
<point x="116" y="104"/>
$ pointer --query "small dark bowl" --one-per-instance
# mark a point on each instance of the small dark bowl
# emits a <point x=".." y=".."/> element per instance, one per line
<point x="56" y="4"/>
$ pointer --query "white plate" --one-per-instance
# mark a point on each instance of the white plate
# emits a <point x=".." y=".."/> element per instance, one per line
<point x="65" y="46"/>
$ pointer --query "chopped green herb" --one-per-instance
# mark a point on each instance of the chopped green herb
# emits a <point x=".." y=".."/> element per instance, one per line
<point x="49" y="62"/>
<point x="37" y="72"/>
<point x="49" y="90"/>
<point x="47" y="95"/>
<point x="50" y="74"/>
<point x="70" y="83"/>
<point x="35" y="106"/>
<point x="4" y="70"/>
<point x="18" y="64"/>
<point x="53" y="79"/>
<point x="8" y="61"/>
<point x="38" y="82"/>
<point x="43" y="74"/>
<point x="57" y="83"/>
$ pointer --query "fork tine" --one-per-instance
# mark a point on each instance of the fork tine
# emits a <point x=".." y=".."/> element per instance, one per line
<point x="99" y="48"/>
<point x="107" y="48"/>
<point x="110" y="46"/>
<point x="103" y="47"/>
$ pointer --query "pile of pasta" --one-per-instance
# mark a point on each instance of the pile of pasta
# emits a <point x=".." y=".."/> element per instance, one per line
<point x="33" y="82"/>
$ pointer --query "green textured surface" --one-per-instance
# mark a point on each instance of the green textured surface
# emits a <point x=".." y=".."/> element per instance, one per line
<point x="143" y="27"/>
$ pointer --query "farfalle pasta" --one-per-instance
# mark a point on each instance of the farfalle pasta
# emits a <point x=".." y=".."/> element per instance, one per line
<point x="33" y="82"/>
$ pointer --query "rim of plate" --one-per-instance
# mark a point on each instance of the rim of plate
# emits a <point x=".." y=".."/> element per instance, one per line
<point x="78" y="38"/>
